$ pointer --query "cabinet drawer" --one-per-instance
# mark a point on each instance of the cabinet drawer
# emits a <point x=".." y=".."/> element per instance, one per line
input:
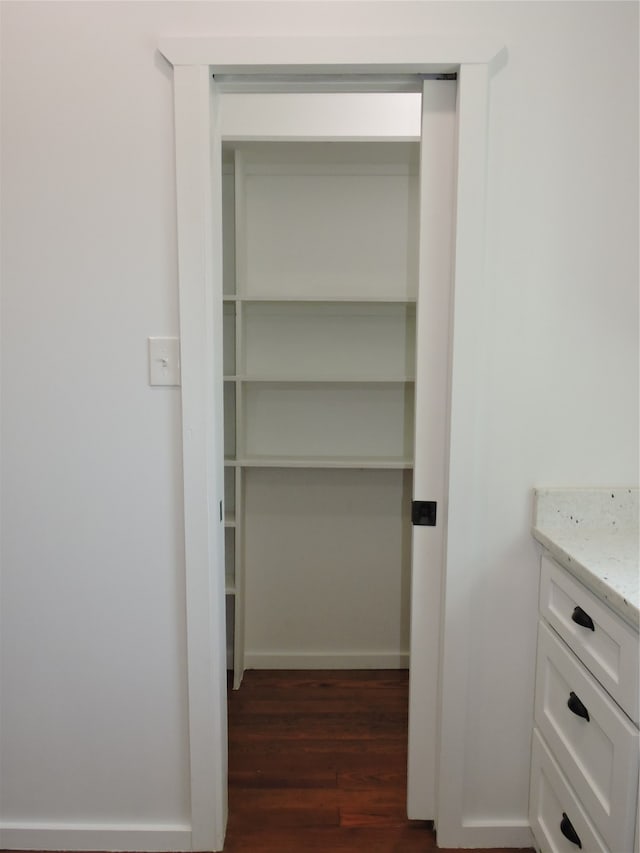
<point x="598" y="755"/>
<point x="553" y="806"/>
<point x="609" y="651"/>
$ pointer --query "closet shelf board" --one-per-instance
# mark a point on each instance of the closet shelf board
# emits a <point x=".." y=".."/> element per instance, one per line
<point x="310" y="380"/>
<point x="322" y="462"/>
<point x="348" y="298"/>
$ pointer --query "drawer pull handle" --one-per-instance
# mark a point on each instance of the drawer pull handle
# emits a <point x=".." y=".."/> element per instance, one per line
<point x="582" y="618"/>
<point x="575" y="705"/>
<point x="566" y="828"/>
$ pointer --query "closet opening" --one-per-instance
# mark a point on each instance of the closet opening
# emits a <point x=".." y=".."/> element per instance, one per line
<point x="452" y="130"/>
<point x="320" y="285"/>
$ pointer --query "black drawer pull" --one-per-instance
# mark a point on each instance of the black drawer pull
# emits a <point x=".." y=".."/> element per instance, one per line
<point x="575" y="705"/>
<point x="582" y="618"/>
<point x="566" y="828"/>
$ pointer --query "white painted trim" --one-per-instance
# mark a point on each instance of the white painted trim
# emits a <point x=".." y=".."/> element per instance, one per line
<point x="420" y="54"/>
<point x="203" y="482"/>
<point x="60" y="836"/>
<point x="200" y="292"/>
<point x="324" y="660"/>
<point x="464" y="548"/>
<point x="493" y="832"/>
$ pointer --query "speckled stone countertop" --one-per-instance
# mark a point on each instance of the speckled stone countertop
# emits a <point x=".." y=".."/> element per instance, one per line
<point x="594" y="534"/>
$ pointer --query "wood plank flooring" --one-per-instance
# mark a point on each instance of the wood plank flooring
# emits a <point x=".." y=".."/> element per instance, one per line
<point x="317" y="761"/>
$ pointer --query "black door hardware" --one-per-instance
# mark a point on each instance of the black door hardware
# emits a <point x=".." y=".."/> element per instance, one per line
<point x="423" y="513"/>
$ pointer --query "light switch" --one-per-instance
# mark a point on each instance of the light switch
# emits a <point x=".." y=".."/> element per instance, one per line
<point x="164" y="361"/>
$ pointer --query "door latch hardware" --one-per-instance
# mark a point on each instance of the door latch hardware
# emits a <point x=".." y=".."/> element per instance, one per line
<point x="423" y="513"/>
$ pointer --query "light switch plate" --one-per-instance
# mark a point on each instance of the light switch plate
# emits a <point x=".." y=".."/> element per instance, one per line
<point x="164" y="361"/>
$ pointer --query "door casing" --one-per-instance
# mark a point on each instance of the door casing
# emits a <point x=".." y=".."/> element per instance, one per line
<point x="199" y="216"/>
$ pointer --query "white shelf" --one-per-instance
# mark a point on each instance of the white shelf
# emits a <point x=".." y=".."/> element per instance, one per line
<point x="345" y="462"/>
<point x="345" y="298"/>
<point x="391" y="463"/>
<point x="306" y="379"/>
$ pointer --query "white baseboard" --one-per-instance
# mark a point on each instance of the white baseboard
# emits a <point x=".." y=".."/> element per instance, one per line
<point x="52" y="836"/>
<point x="325" y="660"/>
<point x="486" y="834"/>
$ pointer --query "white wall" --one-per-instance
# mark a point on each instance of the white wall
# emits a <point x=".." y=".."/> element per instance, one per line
<point x="93" y="714"/>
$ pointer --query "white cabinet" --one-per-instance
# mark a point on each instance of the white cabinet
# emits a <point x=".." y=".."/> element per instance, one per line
<point x="319" y="363"/>
<point x="609" y="649"/>
<point x="584" y="777"/>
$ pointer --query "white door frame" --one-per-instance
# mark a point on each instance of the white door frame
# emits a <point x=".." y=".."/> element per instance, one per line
<point x="199" y="213"/>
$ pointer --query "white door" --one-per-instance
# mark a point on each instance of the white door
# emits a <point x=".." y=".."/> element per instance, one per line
<point x="437" y="157"/>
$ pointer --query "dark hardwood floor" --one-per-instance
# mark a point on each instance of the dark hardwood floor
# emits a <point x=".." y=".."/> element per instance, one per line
<point x="317" y="761"/>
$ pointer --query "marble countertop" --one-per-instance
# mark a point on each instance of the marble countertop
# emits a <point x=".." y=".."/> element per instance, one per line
<point x="594" y="534"/>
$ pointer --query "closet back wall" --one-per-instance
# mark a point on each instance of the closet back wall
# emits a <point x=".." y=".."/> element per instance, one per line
<point x="319" y="327"/>
<point x="328" y="557"/>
